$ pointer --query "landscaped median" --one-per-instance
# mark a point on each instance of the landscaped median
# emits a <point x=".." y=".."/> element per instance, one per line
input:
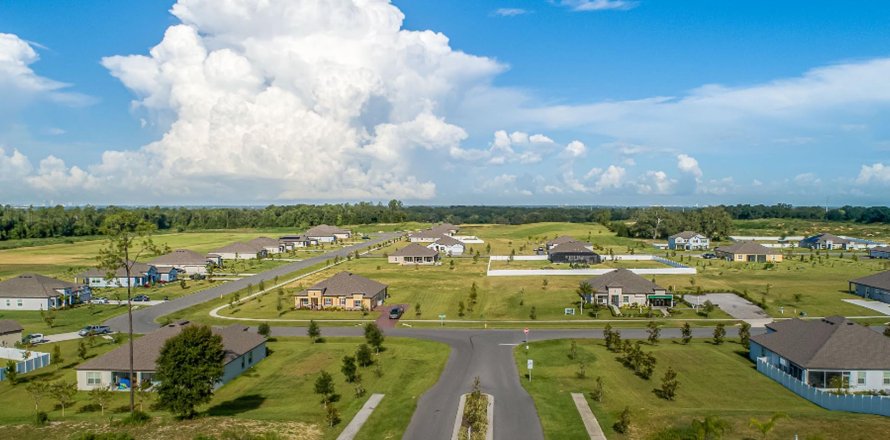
<point x="475" y="416"/>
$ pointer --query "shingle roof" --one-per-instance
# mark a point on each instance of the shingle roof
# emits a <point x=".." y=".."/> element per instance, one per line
<point x="630" y="282"/>
<point x="427" y="233"/>
<point x="823" y="237"/>
<point x="830" y="343"/>
<point x="574" y="247"/>
<point x="444" y="228"/>
<point x="237" y="340"/>
<point x="686" y="235"/>
<point x="264" y="242"/>
<point x="31" y="285"/>
<point x="880" y="280"/>
<point x="561" y="240"/>
<point x="415" y="250"/>
<point x="346" y="284"/>
<point x="325" y="231"/>
<point x="136" y="269"/>
<point x="748" y="248"/>
<point x="449" y="241"/>
<point x="239" y="248"/>
<point x="286" y="238"/>
<point x="180" y="257"/>
<point x="8" y="326"/>
<point x="881" y="248"/>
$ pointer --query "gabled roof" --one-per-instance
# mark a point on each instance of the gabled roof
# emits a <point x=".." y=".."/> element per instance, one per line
<point x="136" y="269"/>
<point x="561" y="240"/>
<point x="830" y="343"/>
<point x="629" y="282"/>
<point x="572" y="247"/>
<point x="264" y="242"/>
<point x="8" y="326"/>
<point x="289" y="238"/>
<point x="427" y="233"/>
<point x="325" y="231"/>
<point x="347" y="284"/>
<point x="415" y="250"/>
<point x="239" y="248"/>
<point x="825" y="237"/>
<point x="748" y="248"/>
<point x="180" y="257"/>
<point x="444" y="228"/>
<point x="32" y="285"/>
<point x="686" y="235"/>
<point x="446" y="240"/>
<point x="237" y="340"/>
<point x="881" y="248"/>
<point x="880" y="280"/>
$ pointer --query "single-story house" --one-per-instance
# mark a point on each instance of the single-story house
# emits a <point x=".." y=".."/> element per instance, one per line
<point x="875" y="286"/>
<point x="291" y="242"/>
<point x="688" y="240"/>
<point x="563" y="239"/>
<point x="573" y="252"/>
<point x="328" y="234"/>
<point x="445" y="229"/>
<point x="623" y="288"/>
<point x="240" y="251"/>
<point x="879" y="252"/>
<point x="184" y="261"/>
<point x="414" y="254"/>
<point x="141" y="274"/>
<point x="749" y="251"/>
<point x="448" y="245"/>
<point x="31" y="291"/>
<point x="10" y="333"/>
<point x="243" y="349"/>
<point x="425" y="236"/>
<point x="824" y="352"/>
<point x="344" y="290"/>
<point x="825" y="241"/>
<point x="271" y="245"/>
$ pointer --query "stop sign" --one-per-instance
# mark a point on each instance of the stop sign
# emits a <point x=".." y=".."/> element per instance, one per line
<point x="525" y="330"/>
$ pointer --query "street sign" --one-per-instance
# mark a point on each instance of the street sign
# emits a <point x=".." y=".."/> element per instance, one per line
<point x="525" y="331"/>
<point x="442" y="316"/>
<point x="442" y="319"/>
<point x="531" y="364"/>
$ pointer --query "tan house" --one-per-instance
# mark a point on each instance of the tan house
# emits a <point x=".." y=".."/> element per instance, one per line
<point x="344" y="290"/>
<point x="749" y="251"/>
<point x="623" y="288"/>
<point x="10" y="333"/>
<point x="414" y="254"/>
<point x="271" y="245"/>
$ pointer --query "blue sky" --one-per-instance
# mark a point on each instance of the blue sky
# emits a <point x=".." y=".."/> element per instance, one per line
<point x="507" y="102"/>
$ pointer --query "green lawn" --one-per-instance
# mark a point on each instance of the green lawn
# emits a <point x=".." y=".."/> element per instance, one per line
<point x="714" y="381"/>
<point x="781" y="227"/>
<point x="544" y="264"/>
<point x="67" y="320"/>
<point x="525" y="238"/>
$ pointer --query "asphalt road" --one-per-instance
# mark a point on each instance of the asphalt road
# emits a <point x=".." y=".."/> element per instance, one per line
<point x="144" y="319"/>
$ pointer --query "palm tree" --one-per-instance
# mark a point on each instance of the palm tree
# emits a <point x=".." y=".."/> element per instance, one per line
<point x="585" y="290"/>
<point x="711" y="428"/>
<point x="767" y="426"/>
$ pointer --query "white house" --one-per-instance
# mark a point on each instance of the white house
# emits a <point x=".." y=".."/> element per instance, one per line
<point x="240" y="251"/>
<point x="141" y="274"/>
<point x="184" y="261"/>
<point x="826" y="353"/>
<point x="688" y="240"/>
<point x="447" y="245"/>
<point x="291" y="242"/>
<point x="827" y="241"/>
<point x="37" y="292"/>
<point x="328" y="234"/>
<point x="243" y="349"/>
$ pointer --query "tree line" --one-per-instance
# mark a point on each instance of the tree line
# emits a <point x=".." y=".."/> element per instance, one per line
<point x="59" y="221"/>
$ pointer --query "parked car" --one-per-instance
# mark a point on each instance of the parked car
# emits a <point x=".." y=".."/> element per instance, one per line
<point x="141" y="298"/>
<point x="396" y="312"/>
<point x="709" y="256"/>
<point x="94" y="330"/>
<point x="34" y="338"/>
<point x="99" y="300"/>
<point x="365" y="237"/>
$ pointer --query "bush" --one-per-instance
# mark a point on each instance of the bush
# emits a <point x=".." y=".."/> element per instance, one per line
<point x="136" y="418"/>
<point x="41" y="419"/>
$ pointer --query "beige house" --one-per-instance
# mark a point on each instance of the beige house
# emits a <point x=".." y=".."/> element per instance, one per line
<point x="10" y="333"/>
<point x="241" y="251"/>
<point x="749" y="251"/>
<point x="414" y="254"/>
<point x="623" y="288"/>
<point x="271" y="245"/>
<point x="344" y="290"/>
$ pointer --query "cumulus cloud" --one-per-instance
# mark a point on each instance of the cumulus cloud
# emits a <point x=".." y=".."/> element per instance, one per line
<point x="807" y="179"/>
<point x="877" y="173"/>
<point x="510" y="12"/>
<point x="656" y="182"/>
<point x="598" y="5"/>
<point x="575" y="149"/>
<point x="18" y="80"/>
<point x="688" y="164"/>
<point x="13" y="167"/>
<point x="516" y="147"/>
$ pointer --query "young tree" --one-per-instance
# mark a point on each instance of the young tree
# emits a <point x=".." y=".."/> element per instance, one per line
<point x="767" y="426"/>
<point x="144" y="394"/>
<point x="101" y="396"/>
<point x="710" y="428"/>
<point x="686" y="331"/>
<point x="719" y="334"/>
<point x="324" y="386"/>
<point x="474" y="293"/>
<point x="57" y="354"/>
<point x="622" y="425"/>
<point x="669" y="384"/>
<point x="654" y="332"/>
<point x="607" y="336"/>
<point x="332" y="416"/>
<point x="533" y="314"/>
<point x="349" y="369"/>
<point x="12" y="372"/>
<point x="188" y="367"/>
<point x="264" y="329"/>
<point x="63" y="392"/>
<point x="128" y="237"/>
<point x="745" y="334"/>
<point x="363" y="355"/>
<point x="460" y="308"/>
<point x="598" y="390"/>
<point x="37" y="389"/>
<point x="314" y="331"/>
<point x="585" y="291"/>
<point x="417" y="311"/>
<point x="573" y="350"/>
<point x="374" y="336"/>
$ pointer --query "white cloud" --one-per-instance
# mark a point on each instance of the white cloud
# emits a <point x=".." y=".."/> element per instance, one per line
<point x="613" y="177"/>
<point x="13" y="167"/>
<point x="510" y="12"/>
<point x="575" y="149"/>
<point x="609" y="179"/>
<point x="516" y="147"/>
<point x="18" y="80"/>
<point x="876" y="173"/>
<point x="656" y="182"/>
<point x="807" y="179"/>
<point x="689" y="164"/>
<point x="598" y="5"/>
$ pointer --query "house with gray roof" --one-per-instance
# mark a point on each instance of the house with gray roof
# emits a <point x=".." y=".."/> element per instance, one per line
<point x="345" y="290"/>
<point x="271" y="245"/>
<point x="243" y="349"/>
<point x="291" y="242"/>
<point x="414" y="254"/>
<point x="825" y="241"/>
<point x="141" y="274"/>
<point x="879" y="252"/>
<point x="623" y="288"/>
<point x="573" y="252"/>
<point x="240" y="251"/>
<point x="185" y="261"/>
<point x="31" y="291"/>
<point x="328" y="234"/>
<point x="827" y="352"/>
<point x="560" y="240"/>
<point x="748" y="251"/>
<point x="10" y="332"/>
<point x="448" y="245"/>
<point x="688" y="241"/>
<point x="875" y="286"/>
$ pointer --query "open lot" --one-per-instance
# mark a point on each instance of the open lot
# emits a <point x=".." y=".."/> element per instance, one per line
<point x="714" y="381"/>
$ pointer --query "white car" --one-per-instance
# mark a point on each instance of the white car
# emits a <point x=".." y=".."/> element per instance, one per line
<point x="34" y="338"/>
<point x="99" y="300"/>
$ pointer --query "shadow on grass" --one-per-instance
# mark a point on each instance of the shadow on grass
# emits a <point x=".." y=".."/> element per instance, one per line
<point x="238" y="405"/>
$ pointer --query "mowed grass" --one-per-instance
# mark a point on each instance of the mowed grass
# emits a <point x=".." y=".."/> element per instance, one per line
<point x="714" y="381"/>
<point x="278" y="389"/>
<point x="544" y="264"/>
<point x="795" y="227"/>
<point x="65" y="321"/>
<point x="524" y="239"/>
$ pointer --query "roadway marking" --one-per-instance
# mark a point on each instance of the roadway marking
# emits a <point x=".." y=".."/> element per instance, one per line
<point x="511" y="345"/>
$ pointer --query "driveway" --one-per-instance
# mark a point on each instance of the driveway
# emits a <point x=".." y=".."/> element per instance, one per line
<point x="734" y="305"/>
<point x="59" y="337"/>
<point x="877" y="306"/>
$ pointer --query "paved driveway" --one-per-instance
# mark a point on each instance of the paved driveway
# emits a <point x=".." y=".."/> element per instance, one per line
<point x="877" y="306"/>
<point x="736" y="306"/>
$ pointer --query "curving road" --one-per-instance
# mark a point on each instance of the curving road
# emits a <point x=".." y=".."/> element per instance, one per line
<point x="144" y="319"/>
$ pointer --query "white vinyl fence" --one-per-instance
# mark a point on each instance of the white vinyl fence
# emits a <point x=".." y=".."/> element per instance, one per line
<point x="24" y="364"/>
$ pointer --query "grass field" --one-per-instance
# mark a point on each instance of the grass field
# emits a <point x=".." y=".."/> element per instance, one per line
<point x="67" y="320"/>
<point x="714" y="381"/>
<point x="525" y="238"/>
<point x="784" y="227"/>
<point x="544" y="264"/>
<point x="278" y="390"/>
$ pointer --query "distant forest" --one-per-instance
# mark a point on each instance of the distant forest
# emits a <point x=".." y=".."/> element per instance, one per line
<point x="58" y="221"/>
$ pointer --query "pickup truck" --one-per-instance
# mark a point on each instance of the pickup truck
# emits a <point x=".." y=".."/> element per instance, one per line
<point x="94" y="330"/>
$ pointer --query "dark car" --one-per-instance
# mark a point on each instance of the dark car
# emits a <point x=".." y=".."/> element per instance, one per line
<point x="396" y="312"/>
<point x="141" y="298"/>
<point x="709" y="256"/>
<point x="365" y="237"/>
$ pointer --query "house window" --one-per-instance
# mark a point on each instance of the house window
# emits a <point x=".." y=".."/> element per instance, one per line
<point x="860" y="378"/>
<point x="19" y="302"/>
<point x="328" y="301"/>
<point x="304" y="301"/>
<point x="343" y="301"/>
<point x="94" y="379"/>
<point x="250" y="357"/>
<point x="242" y="362"/>
<point x="626" y="299"/>
<point x="8" y="303"/>
<point x="357" y="304"/>
<point x="887" y="378"/>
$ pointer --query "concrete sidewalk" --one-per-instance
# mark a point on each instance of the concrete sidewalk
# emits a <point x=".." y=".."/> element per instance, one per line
<point x="590" y="423"/>
<point x="360" y="418"/>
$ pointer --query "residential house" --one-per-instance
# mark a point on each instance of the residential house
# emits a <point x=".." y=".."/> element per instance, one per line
<point x="242" y="347"/>
<point x="240" y="251"/>
<point x="445" y="229"/>
<point x="328" y="234"/>
<point x="10" y="333"/>
<point x="184" y="261"/>
<point x="827" y="352"/>
<point x="291" y="242"/>
<point x="688" y="240"/>
<point x="623" y="288"/>
<point x="414" y="254"/>
<point x="748" y="251"/>
<point x="37" y="292"/>
<point x="879" y="252"/>
<point x="425" y="236"/>
<point x="344" y="290"/>
<point x="575" y="252"/>
<point x="875" y="286"/>
<point x="826" y="241"/>
<point x="559" y="240"/>
<point x="141" y="274"/>
<point x="271" y="245"/>
<point x="448" y="245"/>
